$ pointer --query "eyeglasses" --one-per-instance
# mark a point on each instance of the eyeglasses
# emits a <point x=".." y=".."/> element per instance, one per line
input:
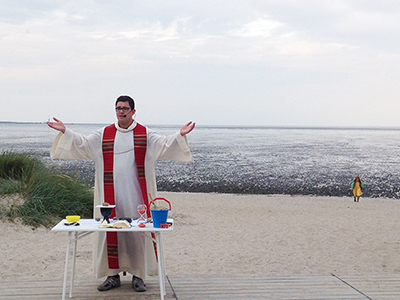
<point x="124" y="109"/>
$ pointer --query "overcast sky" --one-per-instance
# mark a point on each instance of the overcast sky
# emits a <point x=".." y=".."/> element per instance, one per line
<point x="266" y="62"/>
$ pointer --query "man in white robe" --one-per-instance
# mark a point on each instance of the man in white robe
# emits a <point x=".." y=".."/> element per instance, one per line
<point x="136" y="253"/>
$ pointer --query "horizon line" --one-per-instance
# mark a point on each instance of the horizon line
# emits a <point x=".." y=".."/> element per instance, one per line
<point x="235" y="126"/>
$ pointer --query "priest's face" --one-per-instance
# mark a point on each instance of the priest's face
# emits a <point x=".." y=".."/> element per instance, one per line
<point x="124" y="114"/>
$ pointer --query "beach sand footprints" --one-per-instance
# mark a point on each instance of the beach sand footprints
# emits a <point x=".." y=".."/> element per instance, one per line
<point x="183" y="219"/>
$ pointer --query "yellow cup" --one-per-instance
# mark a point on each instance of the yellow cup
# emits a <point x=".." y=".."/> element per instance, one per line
<point x="72" y="219"/>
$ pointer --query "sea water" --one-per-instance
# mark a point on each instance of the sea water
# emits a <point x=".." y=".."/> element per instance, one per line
<point x="252" y="160"/>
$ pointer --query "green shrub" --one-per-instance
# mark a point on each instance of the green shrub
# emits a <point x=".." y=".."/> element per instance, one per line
<point x="18" y="166"/>
<point x="48" y="196"/>
<point x="11" y="186"/>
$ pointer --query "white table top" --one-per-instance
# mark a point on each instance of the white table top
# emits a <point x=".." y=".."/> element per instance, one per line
<point x="93" y="225"/>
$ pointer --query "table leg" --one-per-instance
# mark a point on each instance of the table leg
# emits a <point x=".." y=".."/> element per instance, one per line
<point x="161" y="265"/>
<point x="73" y="265"/>
<point x="66" y="266"/>
<point x="162" y="258"/>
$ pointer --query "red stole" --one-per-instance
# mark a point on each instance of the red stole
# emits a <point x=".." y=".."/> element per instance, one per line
<point x="140" y="146"/>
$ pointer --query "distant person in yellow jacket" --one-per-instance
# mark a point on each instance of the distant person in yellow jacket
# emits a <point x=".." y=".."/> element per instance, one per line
<point x="357" y="187"/>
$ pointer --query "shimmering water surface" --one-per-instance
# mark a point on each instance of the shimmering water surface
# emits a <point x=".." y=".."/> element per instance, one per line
<point x="296" y="161"/>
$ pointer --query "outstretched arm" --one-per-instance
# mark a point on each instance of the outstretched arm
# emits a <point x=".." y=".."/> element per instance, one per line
<point x="57" y="125"/>
<point x="187" y="128"/>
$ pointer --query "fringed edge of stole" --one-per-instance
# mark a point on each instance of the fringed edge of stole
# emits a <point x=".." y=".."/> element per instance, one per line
<point x="108" y="161"/>
<point x="140" y="142"/>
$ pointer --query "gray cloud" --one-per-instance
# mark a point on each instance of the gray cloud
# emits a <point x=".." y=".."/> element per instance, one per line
<point x="280" y="62"/>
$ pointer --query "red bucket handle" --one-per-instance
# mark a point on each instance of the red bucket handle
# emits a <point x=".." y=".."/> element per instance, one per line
<point x="161" y="199"/>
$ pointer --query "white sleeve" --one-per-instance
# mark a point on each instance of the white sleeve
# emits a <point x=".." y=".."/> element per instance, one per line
<point x="171" y="147"/>
<point x="72" y="145"/>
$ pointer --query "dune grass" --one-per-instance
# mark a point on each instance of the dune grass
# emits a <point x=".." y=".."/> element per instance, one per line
<point x="47" y="194"/>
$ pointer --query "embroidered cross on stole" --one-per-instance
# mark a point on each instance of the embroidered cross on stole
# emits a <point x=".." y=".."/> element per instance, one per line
<point x="140" y="146"/>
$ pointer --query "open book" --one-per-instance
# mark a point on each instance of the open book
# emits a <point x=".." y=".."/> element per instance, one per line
<point x="117" y="224"/>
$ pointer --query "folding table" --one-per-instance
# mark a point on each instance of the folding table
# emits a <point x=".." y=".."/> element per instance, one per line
<point x="88" y="226"/>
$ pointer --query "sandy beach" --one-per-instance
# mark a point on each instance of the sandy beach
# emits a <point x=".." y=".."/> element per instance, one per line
<point x="239" y="234"/>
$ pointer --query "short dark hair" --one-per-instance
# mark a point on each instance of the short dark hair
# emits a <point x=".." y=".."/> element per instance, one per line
<point x="126" y="99"/>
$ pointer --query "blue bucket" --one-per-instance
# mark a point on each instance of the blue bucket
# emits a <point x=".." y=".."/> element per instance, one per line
<point x="159" y="215"/>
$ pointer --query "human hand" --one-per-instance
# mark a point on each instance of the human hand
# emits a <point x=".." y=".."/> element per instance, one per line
<point x="187" y="128"/>
<point x="57" y="125"/>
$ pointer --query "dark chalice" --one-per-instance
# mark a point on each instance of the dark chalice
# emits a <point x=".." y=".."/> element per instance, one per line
<point x="106" y="211"/>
